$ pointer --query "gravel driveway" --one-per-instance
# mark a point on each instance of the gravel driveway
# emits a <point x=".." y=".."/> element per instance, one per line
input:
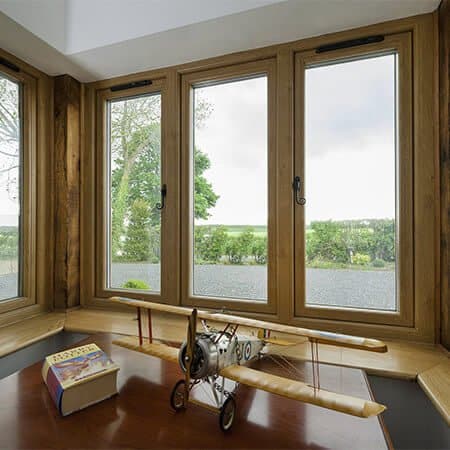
<point x="346" y="288"/>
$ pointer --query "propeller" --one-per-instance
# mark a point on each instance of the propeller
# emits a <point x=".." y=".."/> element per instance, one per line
<point x="189" y="356"/>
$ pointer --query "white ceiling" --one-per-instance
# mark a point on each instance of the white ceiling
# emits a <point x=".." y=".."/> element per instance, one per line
<point x="95" y="39"/>
<point x="73" y="26"/>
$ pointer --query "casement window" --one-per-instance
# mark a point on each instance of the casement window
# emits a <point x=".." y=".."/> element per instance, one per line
<point x="228" y="231"/>
<point x="133" y="192"/>
<point x="17" y="188"/>
<point x="354" y="167"/>
<point x="299" y="179"/>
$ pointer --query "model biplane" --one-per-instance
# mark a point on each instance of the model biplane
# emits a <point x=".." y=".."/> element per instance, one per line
<point x="210" y="356"/>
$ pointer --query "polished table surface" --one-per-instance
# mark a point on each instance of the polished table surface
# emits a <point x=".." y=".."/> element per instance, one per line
<point x="141" y="417"/>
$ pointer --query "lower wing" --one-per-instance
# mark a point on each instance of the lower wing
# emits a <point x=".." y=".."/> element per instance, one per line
<point x="161" y="351"/>
<point x="303" y="392"/>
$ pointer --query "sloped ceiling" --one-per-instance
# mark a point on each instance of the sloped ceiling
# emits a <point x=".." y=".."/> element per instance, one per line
<point x="97" y="39"/>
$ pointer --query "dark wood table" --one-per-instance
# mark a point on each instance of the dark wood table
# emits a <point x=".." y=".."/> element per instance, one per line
<point x="141" y="417"/>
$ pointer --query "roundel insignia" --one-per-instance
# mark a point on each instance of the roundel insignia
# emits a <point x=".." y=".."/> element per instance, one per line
<point x="247" y="351"/>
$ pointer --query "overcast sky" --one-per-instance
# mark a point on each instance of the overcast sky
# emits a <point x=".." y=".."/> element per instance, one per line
<point x="350" y="142"/>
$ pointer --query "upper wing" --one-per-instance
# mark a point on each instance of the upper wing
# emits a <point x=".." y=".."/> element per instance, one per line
<point x="161" y="351"/>
<point x="297" y="390"/>
<point x="324" y="337"/>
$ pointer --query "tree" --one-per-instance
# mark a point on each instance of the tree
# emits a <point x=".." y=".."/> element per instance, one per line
<point x="131" y="134"/>
<point x="9" y="137"/>
<point x="136" y="165"/>
<point x="137" y="243"/>
<point x="204" y="196"/>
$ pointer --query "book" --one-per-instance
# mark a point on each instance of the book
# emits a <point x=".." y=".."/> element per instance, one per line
<point x="79" y="377"/>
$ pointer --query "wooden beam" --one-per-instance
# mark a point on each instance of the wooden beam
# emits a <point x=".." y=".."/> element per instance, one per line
<point x="67" y="113"/>
<point x="444" y="99"/>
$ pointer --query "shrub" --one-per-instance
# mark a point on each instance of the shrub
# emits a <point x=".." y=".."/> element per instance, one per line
<point x="235" y="250"/>
<point x="378" y="263"/>
<point x="360" y="259"/>
<point x="136" y="284"/>
<point x="326" y="242"/>
<point x="259" y="250"/>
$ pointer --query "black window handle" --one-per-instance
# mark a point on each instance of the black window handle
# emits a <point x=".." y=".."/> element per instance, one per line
<point x="160" y="205"/>
<point x="297" y="186"/>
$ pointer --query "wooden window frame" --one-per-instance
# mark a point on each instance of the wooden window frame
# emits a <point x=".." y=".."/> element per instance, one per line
<point x="168" y="244"/>
<point x="217" y="76"/>
<point x="27" y="227"/>
<point x="425" y="286"/>
<point x="404" y="315"/>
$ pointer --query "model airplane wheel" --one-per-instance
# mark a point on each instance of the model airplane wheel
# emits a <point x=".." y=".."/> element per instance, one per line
<point x="177" y="396"/>
<point x="227" y="413"/>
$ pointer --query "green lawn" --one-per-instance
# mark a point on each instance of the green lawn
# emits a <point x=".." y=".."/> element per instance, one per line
<point x="235" y="230"/>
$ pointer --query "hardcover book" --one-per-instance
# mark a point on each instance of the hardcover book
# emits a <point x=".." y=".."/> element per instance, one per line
<point x="79" y="377"/>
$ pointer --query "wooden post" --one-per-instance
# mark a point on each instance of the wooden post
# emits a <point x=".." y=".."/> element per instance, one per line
<point x="149" y="315"/>
<point x="139" y="325"/>
<point x="444" y="134"/>
<point x="67" y="109"/>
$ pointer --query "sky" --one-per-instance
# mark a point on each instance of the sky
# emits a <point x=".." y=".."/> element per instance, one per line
<point x="234" y="137"/>
<point x="349" y="144"/>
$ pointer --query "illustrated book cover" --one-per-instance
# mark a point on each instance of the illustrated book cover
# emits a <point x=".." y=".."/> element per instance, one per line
<point x="79" y="377"/>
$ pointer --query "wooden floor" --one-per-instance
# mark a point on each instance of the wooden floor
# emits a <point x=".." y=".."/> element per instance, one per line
<point x="405" y="360"/>
<point x="140" y="416"/>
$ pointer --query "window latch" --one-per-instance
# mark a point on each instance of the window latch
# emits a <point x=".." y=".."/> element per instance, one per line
<point x="160" y="205"/>
<point x="297" y="186"/>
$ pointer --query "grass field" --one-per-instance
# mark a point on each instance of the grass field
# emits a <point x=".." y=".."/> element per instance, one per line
<point x="236" y="230"/>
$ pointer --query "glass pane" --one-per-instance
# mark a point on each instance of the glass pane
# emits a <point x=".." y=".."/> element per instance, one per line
<point x="350" y="176"/>
<point x="230" y="190"/>
<point x="135" y="184"/>
<point x="10" y="161"/>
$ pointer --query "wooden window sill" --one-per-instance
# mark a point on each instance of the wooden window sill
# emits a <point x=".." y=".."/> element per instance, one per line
<point x="26" y="332"/>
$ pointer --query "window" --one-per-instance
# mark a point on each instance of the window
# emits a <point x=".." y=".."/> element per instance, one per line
<point x="355" y="175"/>
<point x="10" y="188"/>
<point x="134" y="193"/>
<point x="230" y="191"/>
<point x="355" y="124"/>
